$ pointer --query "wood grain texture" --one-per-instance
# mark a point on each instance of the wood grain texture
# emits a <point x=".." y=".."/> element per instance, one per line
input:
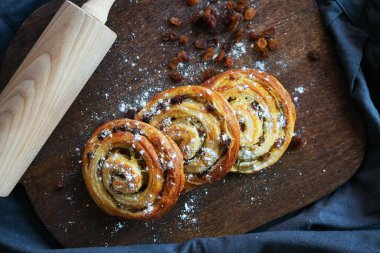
<point x="45" y="85"/>
<point x="135" y="68"/>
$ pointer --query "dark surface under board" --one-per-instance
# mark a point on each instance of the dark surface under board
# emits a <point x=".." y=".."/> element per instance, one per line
<point x="135" y="69"/>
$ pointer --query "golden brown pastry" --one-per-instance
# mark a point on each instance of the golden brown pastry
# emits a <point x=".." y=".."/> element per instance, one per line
<point x="265" y="112"/>
<point x="132" y="170"/>
<point x="201" y="122"/>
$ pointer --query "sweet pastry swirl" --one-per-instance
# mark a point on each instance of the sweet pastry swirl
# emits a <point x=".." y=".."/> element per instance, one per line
<point x="202" y="124"/>
<point x="132" y="170"/>
<point x="265" y="112"/>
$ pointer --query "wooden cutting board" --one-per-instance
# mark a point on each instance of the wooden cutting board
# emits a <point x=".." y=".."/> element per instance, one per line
<point x="135" y="69"/>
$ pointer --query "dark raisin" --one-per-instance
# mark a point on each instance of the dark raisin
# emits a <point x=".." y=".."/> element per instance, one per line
<point x="177" y="77"/>
<point x="273" y="44"/>
<point x="210" y="108"/>
<point x="134" y="131"/>
<point x="211" y="21"/>
<point x="90" y="155"/>
<point x="183" y="56"/>
<point x="233" y="20"/>
<point x="264" y="53"/>
<point x="130" y="113"/>
<point x="226" y="47"/>
<point x="169" y="36"/>
<point x="208" y="73"/>
<point x="264" y="157"/>
<point x="201" y="132"/>
<point x="102" y="135"/>
<point x="115" y="129"/>
<point x="228" y="62"/>
<point x="173" y="63"/>
<point x="214" y="42"/>
<point x="225" y="144"/>
<point x="147" y="118"/>
<point x="279" y="141"/>
<point x="200" y="44"/>
<point x="255" y="105"/>
<point x="239" y="35"/>
<point x="220" y="56"/>
<point x="177" y="100"/>
<point x="298" y="142"/>
<point x="268" y="32"/>
<point x="160" y="106"/>
<point x="253" y="36"/>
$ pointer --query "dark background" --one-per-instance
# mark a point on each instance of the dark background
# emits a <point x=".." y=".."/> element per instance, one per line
<point x="348" y="220"/>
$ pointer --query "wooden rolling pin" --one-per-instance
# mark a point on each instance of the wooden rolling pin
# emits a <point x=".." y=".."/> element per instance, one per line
<point x="47" y="82"/>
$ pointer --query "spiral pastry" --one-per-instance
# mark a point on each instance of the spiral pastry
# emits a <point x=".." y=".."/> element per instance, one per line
<point x="132" y="170"/>
<point x="202" y="124"/>
<point x="265" y="112"/>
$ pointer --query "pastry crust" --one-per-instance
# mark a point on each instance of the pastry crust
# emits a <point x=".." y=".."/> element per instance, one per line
<point x="202" y="124"/>
<point x="132" y="170"/>
<point x="265" y="112"/>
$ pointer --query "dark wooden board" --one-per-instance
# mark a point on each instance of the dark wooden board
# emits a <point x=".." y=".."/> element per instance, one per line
<point x="135" y="68"/>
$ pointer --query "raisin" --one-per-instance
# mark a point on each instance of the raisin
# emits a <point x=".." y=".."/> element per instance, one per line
<point x="102" y="135"/>
<point x="192" y="2"/>
<point x="211" y="21"/>
<point x="233" y="20"/>
<point x="183" y="39"/>
<point x="175" y="21"/>
<point x="273" y="44"/>
<point x="298" y="142"/>
<point x="134" y="131"/>
<point x="253" y="36"/>
<point x="268" y="32"/>
<point x="260" y="44"/>
<point x="208" y="73"/>
<point x="264" y="157"/>
<point x="226" y="47"/>
<point x="249" y="13"/>
<point x="177" y="77"/>
<point x="255" y="106"/>
<point x="231" y="5"/>
<point x="210" y="108"/>
<point x="200" y="44"/>
<point x="90" y="155"/>
<point x="177" y="100"/>
<point x="225" y="144"/>
<point x="278" y="143"/>
<point x="173" y="63"/>
<point x="147" y="118"/>
<point x="130" y="114"/>
<point x="264" y="53"/>
<point x="220" y="56"/>
<point x="183" y="56"/>
<point x="169" y="36"/>
<point x="206" y="56"/>
<point x="239" y="35"/>
<point x="228" y="62"/>
<point x="214" y="42"/>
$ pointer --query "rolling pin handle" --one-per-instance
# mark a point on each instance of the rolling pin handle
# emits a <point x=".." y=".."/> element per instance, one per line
<point x="99" y="9"/>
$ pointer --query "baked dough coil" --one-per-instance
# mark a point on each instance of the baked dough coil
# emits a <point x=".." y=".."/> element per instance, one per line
<point x="202" y="124"/>
<point x="265" y="112"/>
<point x="132" y="170"/>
